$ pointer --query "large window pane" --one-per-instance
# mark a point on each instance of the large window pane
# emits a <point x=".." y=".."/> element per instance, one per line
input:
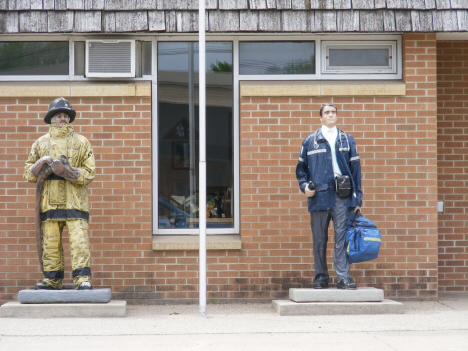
<point x="34" y="58"/>
<point x="277" y="57"/>
<point x="178" y="135"/>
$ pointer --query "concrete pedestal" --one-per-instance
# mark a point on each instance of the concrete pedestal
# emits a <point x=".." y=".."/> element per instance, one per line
<point x="336" y="295"/>
<point x="65" y="296"/>
<point x="291" y="308"/>
<point x="115" y="308"/>
<point x="334" y="301"/>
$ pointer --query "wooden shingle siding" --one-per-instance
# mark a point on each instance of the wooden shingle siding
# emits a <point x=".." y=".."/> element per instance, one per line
<point x="60" y="21"/>
<point x="363" y="5"/>
<point x="177" y="16"/>
<point x="48" y="4"/>
<point x="156" y="21"/>
<point x="36" y="4"/>
<point x="171" y="22"/>
<point x="75" y="4"/>
<point x="325" y="21"/>
<point x="347" y="21"/>
<point x="131" y="21"/>
<point x="248" y="21"/>
<point x="120" y="5"/>
<point x="294" y="21"/>
<point x="389" y="21"/>
<point x="320" y="4"/>
<point x="381" y="4"/>
<point x="9" y="22"/>
<point x="60" y="5"/>
<point x="21" y="4"/>
<point x="271" y="4"/>
<point x="86" y="22"/>
<point x="299" y="5"/>
<point x="222" y="21"/>
<point x="343" y="5"/>
<point x="94" y="4"/>
<point x="371" y="21"/>
<point x="257" y="4"/>
<point x="33" y="22"/>
<point x="108" y="22"/>
<point x="269" y="21"/>
<point x="449" y="21"/>
<point x="443" y="4"/>
<point x="187" y="21"/>
<point x="403" y="21"/>
<point x="232" y="4"/>
<point x="459" y="4"/>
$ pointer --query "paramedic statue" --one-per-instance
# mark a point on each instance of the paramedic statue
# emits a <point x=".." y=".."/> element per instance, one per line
<point x="69" y="159"/>
<point x="327" y="157"/>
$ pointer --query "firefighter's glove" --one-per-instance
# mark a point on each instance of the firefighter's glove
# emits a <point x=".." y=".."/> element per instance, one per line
<point x="39" y="165"/>
<point x="62" y="168"/>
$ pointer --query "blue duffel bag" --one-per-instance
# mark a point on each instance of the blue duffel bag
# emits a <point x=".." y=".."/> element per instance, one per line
<point x="363" y="239"/>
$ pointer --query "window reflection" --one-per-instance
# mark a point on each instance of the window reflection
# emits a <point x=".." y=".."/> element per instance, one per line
<point x="178" y="135"/>
<point x="34" y="58"/>
<point x="276" y="57"/>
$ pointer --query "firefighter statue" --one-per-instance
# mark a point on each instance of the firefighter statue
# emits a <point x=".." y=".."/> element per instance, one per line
<point x="61" y="163"/>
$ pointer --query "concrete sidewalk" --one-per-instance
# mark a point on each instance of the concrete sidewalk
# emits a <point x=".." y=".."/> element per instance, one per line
<point x="423" y="326"/>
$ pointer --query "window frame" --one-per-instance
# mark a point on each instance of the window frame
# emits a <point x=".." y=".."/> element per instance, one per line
<point x="236" y="142"/>
<point x="281" y="40"/>
<point x="356" y="44"/>
<point x="319" y="38"/>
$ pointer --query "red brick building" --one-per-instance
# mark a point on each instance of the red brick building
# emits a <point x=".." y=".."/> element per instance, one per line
<point x="408" y="118"/>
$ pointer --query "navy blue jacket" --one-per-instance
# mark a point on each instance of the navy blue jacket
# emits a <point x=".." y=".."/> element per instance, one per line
<point x="315" y="164"/>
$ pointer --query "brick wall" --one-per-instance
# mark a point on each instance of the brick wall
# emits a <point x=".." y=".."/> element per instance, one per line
<point x="396" y="138"/>
<point x="120" y="196"/>
<point x="452" y="129"/>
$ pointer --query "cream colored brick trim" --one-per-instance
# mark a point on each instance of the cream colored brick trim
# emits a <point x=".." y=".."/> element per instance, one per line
<point x="75" y="89"/>
<point x="322" y="88"/>
<point x="191" y="242"/>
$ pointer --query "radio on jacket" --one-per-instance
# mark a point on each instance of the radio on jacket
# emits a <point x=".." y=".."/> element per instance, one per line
<point x="343" y="186"/>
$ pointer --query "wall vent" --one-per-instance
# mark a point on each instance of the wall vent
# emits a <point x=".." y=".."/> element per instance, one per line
<point x="110" y="58"/>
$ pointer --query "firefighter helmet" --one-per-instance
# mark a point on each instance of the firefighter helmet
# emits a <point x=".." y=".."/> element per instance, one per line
<point x="60" y="105"/>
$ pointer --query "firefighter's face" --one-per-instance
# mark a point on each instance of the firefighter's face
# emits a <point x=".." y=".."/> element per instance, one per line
<point x="61" y="119"/>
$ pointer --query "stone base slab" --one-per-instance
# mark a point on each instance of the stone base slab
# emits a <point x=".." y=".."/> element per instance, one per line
<point x="336" y="295"/>
<point x="291" y="308"/>
<point x="65" y="296"/>
<point x="15" y="309"/>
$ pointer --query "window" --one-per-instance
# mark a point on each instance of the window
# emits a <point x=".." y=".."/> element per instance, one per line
<point x="32" y="58"/>
<point x="276" y="57"/>
<point x="358" y="57"/>
<point x="373" y="57"/>
<point x="178" y="148"/>
<point x="143" y="57"/>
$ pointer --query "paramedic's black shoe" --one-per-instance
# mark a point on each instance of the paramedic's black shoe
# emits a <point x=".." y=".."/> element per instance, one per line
<point x="346" y="284"/>
<point x="85" y="286"/>
<point x="44" y="286"/>
<point x="321" y="284"/>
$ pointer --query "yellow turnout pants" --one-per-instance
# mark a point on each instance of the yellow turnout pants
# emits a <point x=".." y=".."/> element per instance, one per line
<point x="52" y="251"/>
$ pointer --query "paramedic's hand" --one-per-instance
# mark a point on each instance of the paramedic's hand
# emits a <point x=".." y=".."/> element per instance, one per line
<point x="357" y="208"/>
<point x="308" y="192"/>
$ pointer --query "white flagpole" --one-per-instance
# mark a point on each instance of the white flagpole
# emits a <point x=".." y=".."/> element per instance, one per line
<point x="202" y="164"/>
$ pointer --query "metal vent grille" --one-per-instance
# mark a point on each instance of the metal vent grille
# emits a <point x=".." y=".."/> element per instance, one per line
<point x="110" y="58"/>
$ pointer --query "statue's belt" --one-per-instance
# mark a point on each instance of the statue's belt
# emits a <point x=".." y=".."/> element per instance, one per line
<point x="64" y="214"/>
